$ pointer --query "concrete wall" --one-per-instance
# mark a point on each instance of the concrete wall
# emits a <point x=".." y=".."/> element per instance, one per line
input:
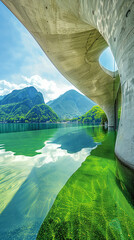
<point x="83" y="29"/>
<point x="115" y="21"/>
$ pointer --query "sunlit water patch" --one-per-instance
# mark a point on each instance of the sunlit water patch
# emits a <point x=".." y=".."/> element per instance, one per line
<point x="34" y="166"/>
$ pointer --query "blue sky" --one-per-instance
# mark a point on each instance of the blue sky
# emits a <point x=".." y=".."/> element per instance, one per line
<point x="23" y="63"/>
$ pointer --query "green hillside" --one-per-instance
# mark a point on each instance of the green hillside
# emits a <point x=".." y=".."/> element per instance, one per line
<point x="25" y="105"/>
<point x="94" y="116"/>
<point x="71" y="104"/>
<point x="41" y="113"/>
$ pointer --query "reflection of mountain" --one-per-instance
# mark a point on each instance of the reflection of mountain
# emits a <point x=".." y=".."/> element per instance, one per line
<point x="25" y="143"/>
<point x="75" y="141"/>
<point x="106" y="150"/>
<point x="21" y="127"/>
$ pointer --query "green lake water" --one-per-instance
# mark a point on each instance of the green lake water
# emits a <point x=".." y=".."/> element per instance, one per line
<point x="94" y="203"/>
<point x="64" y="177"/>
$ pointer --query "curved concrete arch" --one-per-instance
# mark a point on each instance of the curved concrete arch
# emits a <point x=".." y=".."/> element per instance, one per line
<point x="73" y="34"/>
<point x="110" y="73"/>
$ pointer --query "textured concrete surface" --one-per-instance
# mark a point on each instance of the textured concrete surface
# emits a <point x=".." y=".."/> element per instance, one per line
<point x="73" y="34"/>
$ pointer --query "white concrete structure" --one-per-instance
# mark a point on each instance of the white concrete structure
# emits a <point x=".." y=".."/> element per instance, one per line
<point x="73" y="33"/>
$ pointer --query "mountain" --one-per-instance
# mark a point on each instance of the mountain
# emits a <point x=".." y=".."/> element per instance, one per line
<point x="25" y="105"/>
<point x="94" y="116"/>
<point x="41" y="113"/>
<point x="71" y="104"/>
<point x="17" y="96"/>
<point x="1" y="97"/>
<point x="48" y="103"/>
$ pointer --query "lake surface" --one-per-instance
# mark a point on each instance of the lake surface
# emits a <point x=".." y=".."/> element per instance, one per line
<point x="34" y="167"/>
<point x="66" y="177"/>
<point x="94" y="204"/>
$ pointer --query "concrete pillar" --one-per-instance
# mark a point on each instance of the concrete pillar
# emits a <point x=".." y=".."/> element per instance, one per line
<point x="123" y="49"/>
<point x="109" y="110"/>
<point x="116" y="114"/>
<point x="125" y="139"/>
<point x="115" y="21"/>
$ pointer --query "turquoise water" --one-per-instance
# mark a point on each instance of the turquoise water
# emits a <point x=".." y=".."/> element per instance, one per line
<point x="34" y="166"/>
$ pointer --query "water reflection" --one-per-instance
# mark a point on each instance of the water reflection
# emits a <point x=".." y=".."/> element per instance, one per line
<point x="91" y="205"/>
<point x="125" y="180"/>
<point x="21" y="127"/>
<point x="75" y="141"/>
<point x="34" y="166"/>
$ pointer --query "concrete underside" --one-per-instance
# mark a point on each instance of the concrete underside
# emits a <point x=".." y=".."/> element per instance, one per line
<point x="73" y="34"/>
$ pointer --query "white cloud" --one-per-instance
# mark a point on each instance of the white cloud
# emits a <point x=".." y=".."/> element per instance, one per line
<point x="6" y="87"/>
<point x="48" y="88"/>
<point x="53" y="153"/>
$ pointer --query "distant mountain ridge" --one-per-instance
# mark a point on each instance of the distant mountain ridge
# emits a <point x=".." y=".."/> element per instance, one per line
<point x="25" y="105"/>
<point x="17" y="96"/>
<point x="1" y="97"/>
<point x="71" y="104"/>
